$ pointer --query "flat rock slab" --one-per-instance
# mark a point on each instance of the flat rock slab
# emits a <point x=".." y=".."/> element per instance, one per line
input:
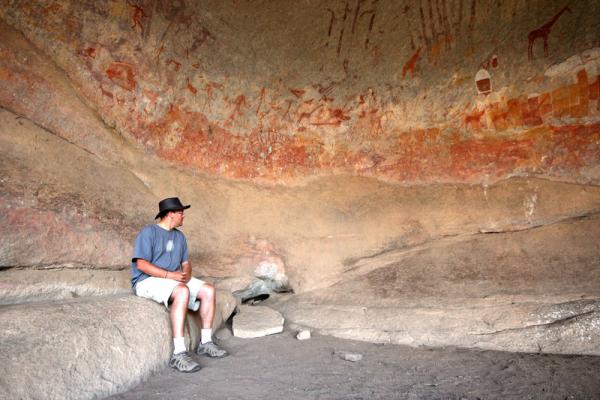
<point x="256" y="321"/>
<point x="529" y="325"/>
<point x="18" y="286"/>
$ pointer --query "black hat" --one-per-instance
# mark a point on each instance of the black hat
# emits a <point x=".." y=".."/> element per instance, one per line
<point x="170" y="204"/>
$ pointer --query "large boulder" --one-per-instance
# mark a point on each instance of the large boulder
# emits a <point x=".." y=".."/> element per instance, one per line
<point x="98" y="339"/>
<point x="534" y="290"/>
<point x="81" y="348"/>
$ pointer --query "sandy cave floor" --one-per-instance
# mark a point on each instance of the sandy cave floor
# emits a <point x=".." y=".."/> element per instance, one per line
<point x="282" y="367"/>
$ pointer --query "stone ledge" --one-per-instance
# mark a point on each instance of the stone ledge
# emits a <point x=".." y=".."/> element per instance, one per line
<point x="87" y="347"/>
<point x="26" y="285"/>
<point x="531" y="325"/>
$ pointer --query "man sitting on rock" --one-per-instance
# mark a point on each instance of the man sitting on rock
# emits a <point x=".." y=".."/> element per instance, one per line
<point x="161" y="271"/>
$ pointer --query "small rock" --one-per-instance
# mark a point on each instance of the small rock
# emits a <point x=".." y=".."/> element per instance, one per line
<point x="303" y="334"/>
<point x="258" y="290"/>
<point x="351" y="356"/>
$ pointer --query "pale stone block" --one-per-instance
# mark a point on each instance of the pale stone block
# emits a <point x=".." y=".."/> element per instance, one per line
<point x="256" y="321"/>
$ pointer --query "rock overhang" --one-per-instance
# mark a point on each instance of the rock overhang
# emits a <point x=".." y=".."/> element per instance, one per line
<point x="325" y="139"/>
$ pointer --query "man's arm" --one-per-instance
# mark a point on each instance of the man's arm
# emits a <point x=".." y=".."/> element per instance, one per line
<point x="152" y="270"/>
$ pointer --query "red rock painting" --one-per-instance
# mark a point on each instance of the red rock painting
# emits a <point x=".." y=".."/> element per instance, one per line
<point x="273" y="119"/>
<point x="122" y="74"/>
<point x="298" y="92"/>
<point x="89" y="52"/>
<point x="543" y="32"/>
<point x="137" y="16"/>
<point x="411" y="64"/>
<point x="176" y="65"/>
<point x="191" y="88"/>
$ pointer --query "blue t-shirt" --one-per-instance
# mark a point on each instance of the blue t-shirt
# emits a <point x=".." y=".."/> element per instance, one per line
<point x="163" y="248"/>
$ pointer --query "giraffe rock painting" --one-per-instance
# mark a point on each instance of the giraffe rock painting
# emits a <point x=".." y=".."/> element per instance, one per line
<point x="543" y="32"/>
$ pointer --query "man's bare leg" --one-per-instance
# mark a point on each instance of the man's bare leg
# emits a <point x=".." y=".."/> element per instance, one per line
<point x="180" y="298"/>
<point x="180" y="359"/>
<point x="208" y="304"/>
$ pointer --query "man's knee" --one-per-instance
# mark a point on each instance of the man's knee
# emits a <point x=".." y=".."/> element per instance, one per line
<point x="181" y="292"/>
<point x="207" y="291"/>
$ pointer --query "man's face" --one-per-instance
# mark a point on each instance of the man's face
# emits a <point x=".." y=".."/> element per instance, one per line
<point x="177" y="217"/>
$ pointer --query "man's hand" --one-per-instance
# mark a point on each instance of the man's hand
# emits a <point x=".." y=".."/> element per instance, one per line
<point x="186" y="268"/>
<point x="183" y="276"/>
<point x="180" y="276"/>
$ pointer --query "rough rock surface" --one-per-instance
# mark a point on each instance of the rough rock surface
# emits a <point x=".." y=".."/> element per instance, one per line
<point x="440" y="158"/>
<point x="256" y="321"/>
<point x="61" y="205"/>
<point x="533" y="291"/>
<point x="337" y="228"/>
<point x="26" y="285"/>
<point x="81" y="348"/>
<point x="283" y="91"/>
<point x="345" y="234"/>
<point x="96" y="340"/>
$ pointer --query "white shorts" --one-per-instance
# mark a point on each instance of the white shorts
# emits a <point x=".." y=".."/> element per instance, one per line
<point x="160" y="290"/>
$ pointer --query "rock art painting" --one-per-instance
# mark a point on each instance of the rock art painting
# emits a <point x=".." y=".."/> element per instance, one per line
<point x="187" y="85"/>
<point x="543" y="32"/>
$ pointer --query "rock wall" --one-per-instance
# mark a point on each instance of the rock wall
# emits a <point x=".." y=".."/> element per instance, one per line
<point x="533" y="290"/>
<point x="366" y="147"/>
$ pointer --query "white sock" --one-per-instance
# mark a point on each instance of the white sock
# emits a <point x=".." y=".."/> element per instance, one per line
<point x="179" y="345"/>
<point x="205" y="336"/>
